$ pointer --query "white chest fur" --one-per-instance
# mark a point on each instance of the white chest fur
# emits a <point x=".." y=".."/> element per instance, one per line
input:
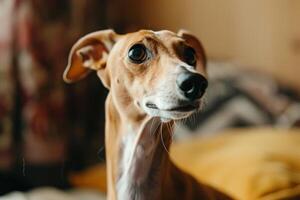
<point x="137" y="153"/>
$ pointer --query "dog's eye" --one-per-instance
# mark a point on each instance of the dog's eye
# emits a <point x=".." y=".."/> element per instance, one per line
<point x="189" y="56"/>
<point x="137" y="53"/>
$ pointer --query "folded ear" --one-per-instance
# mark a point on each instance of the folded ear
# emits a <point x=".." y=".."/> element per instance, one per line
<point x="194" y="42"/>
<point x="89" y="53"/>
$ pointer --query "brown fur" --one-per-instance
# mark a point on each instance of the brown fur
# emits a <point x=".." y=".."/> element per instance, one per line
<point x="106" y="52"/>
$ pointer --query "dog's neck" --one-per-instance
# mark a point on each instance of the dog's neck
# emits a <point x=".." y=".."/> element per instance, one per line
<point x="137" y="154"/>
<point x="138" y="162"/>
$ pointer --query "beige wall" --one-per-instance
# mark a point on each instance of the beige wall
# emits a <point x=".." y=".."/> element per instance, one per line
<point x="264" y="34"/>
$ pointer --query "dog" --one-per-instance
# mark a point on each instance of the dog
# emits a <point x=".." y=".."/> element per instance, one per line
<point x="154" y="79"/>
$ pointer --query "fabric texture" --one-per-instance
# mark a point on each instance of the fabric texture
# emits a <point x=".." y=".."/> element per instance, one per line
<point x="238" y="97"/>
<point x="54" y="194"/>
<point x="248" y="164"/>
<point x="43" y="121"/>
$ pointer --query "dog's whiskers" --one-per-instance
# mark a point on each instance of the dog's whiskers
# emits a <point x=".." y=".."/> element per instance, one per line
<point x="170" y="129"/>
<point x="152" y="133"/>
<point x="172" y="132"/>
<point x="151" y="128"/>
<point x="162" y="139"/>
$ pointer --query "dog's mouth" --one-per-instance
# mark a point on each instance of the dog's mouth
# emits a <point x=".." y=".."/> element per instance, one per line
<point x="179" y="111"/>
<point x="181" y="108"/>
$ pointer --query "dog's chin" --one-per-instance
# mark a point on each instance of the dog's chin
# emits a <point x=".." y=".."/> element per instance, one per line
<point x="167" y="117"/>
<point x="173" y="113"/>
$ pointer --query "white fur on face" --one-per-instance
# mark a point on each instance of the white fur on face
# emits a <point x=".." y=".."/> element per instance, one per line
<point x="166" y="97"/>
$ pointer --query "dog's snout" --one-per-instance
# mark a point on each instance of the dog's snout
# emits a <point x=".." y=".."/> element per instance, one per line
<point x="191" y="85"/>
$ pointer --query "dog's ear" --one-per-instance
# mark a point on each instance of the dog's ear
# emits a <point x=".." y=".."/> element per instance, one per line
<point x="89" y="53"/>
<point x="194" y="42"/>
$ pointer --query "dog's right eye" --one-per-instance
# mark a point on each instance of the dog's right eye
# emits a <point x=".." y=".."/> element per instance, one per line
<point x="137" y="53"/>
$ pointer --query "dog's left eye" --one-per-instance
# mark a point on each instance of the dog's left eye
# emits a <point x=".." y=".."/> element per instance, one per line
<point x="137" y="53"/>
<point x="189" y="56"/>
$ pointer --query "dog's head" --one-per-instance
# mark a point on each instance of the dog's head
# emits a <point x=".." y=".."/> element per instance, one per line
<point x="161" y="74"/>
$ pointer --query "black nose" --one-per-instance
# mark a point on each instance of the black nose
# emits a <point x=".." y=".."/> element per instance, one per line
<point x="191" y="85"/>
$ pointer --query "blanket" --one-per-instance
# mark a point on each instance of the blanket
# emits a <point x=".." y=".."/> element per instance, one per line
<point x="248" y="164"/>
